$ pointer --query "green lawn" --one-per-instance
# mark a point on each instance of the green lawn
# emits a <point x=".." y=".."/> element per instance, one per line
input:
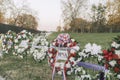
<point x="15" y="68"/>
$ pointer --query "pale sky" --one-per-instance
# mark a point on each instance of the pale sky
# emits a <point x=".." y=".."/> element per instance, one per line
<point x="49" y="12"/>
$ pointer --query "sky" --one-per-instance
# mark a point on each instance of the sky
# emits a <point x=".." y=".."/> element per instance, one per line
<point x="49" y="12"/>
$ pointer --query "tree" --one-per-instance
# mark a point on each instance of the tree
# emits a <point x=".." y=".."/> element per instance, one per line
<point x="113" y="9"/>
<point x="20" y="15"/>
<point x="98" y="17"/>
<point x="26" y="21"/>
<point x="2" y="18"/>
<point x="79" y="24"/>
<point x="71" y="11"/>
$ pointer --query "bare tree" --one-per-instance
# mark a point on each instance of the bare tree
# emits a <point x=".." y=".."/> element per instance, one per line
<point x="71" y="10"/>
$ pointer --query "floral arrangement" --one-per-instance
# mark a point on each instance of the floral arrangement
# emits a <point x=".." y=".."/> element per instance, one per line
<point x="39" y="53"/>
<point x="24" y="43"/>
<point x="112" y="57"/>
<point x="70" y="47"/>
<point x="90" y="52"/>
<point x="8" y="41"/>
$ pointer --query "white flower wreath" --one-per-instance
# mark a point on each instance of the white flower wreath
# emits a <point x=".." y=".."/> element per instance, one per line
<point x="92" y="51"/>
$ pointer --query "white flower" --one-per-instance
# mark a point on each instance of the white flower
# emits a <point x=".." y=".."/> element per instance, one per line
<point x="50" y="55"/>
<point x="19" y="36"/>
<point x="95" y="49"/>
<point x="72" y="59"/>
<point x="117" y="52"/>
<point x="16" y="40"/>
<point x="68" y="44"/>
<point x="59" y="72"/>
<point x="79" y="59"/>
<point x="16" y="47"/>
<point x="68" y="72"/>
<point x="114" y="44"/>
<point x="100" y="58"/>
<point x="112" y="63"/>
<point x="118" y="76"/>
<point x="24" y="36"/>
<point x="73" y="40"/>
<point x="83" y="72"/>
<point x="20" y="56"/>
<point x="51" y="60"/>
<point x="62" y="65"/>
<point x="68" y="65"/>
<point x="72" y="51"/>
<point x="88" y="47"/>
<point x="57" y="64"/>
<point x="76" y="48"/>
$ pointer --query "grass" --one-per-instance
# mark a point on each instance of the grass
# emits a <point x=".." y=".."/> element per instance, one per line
<point x="14" y="68"/>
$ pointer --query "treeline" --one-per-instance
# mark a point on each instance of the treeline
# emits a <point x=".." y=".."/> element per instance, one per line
<point x="103" y="18"/>
<point x="18" y="15"/>
<point x="4" y="28"/>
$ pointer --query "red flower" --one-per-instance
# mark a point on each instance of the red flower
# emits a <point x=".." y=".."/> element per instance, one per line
<point x="118" y="61"/>
<point x="73" y="54"/>
<point x="72" y="63"/>
<point x="116" y="69"/>
<point x="108" y="55"/>
<point x="58" y="68"/>
<point x="105" y="52"/>
<point x="115" y="56"/>
<point x="106" y="66"/>
<point x="74" y="43"/>
<point x="112" y="49"/>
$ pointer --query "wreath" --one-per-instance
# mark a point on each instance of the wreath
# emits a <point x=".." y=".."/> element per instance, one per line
<point x="63" y="41"/>
<point x="39" y="47"/>
<point x="112" y="57"/>
<point x="91" y="55"/>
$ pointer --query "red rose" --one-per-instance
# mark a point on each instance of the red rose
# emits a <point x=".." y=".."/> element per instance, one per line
<point x="106" y="66"/>
<point x="105" y="52"/>
<point x="115" y="56"/>
<point x="74" y="43"/>
<point x="73" y="54"/>
<point x="118" y="61"/>
<point x="72" y="63"/>
<point x="116" y="69"/>
<point x="112" y="49"/>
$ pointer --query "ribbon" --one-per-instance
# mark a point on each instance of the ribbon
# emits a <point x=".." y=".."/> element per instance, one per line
<point x="54" y="70"/>
<point x="92" y="66"/>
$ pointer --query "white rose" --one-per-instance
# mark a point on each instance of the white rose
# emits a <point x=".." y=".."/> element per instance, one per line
<point x="50" y="55"/>
<point x="83" y="71"/>
<point x="24" y="36"/>
<point x="73" y="40"/>
<point x="117" y="52"/>
<point x="68" y="65"/>
<point x="16" y="47"/>
<point x="16" y="40"/>
<point x="112" y="63"/>
<point x="118" y="76"/>
<point x="114" y="44"/>
<point x="68" y="72"/>
<point x="68" y="44"/>
<point x="72" y="51"/>
<point x="19" y="37"/>
<point x="59" y="72"/>
<point x="72" y="59"/>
